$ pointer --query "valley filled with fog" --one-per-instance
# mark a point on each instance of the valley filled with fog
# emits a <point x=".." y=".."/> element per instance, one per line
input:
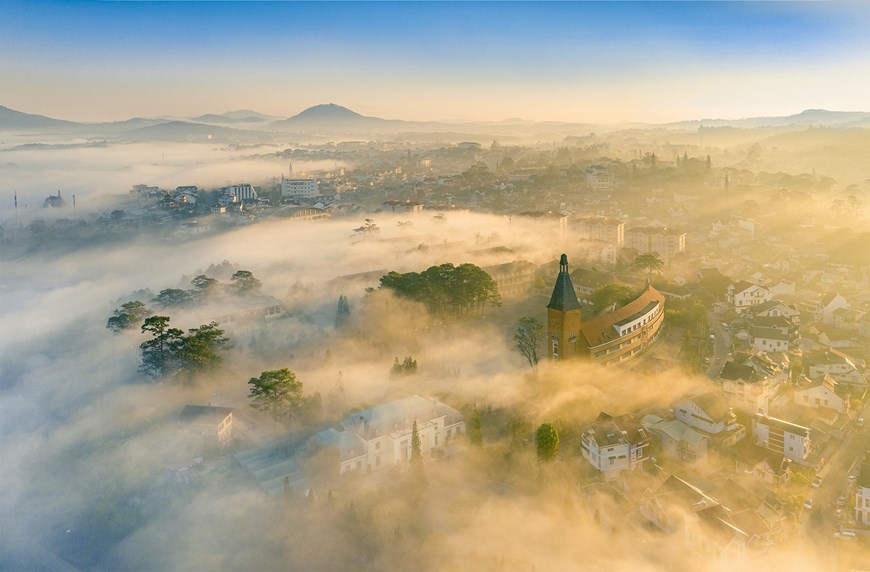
<point x="99" y="471"/>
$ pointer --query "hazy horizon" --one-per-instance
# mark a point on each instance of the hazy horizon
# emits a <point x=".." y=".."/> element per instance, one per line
<point x="589" y="62"/>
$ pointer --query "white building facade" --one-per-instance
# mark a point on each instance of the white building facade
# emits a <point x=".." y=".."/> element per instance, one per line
<point x="299" y="188"/>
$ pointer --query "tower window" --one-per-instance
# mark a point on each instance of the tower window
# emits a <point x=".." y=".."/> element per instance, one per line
<point x="555" y="347"/>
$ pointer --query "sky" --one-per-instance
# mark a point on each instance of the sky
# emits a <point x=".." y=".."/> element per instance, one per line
<point x="594" y="62"/>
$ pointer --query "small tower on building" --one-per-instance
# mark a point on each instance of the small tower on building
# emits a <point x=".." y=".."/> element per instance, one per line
<point x="563" y="316"/>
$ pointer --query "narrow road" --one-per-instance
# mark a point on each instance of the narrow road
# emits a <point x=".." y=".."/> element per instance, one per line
<point x="721" y="345"/>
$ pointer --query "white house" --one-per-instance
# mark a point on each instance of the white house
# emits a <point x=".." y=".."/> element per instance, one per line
<point x="828" y="305"/>
<point x="745" y="388"/>
<point x="835" y="364"/>
<point x="380" y="436"/>
<point x="789" y="439"/>
<point x="775" y="309"/>
<point x="211" y="423"/>
<point x="744" y="294"/>
<point x="614" y="444"/>
<point x="711" y="414"/>
<point x="769" y="339"/>
<point x="821" y="393"/>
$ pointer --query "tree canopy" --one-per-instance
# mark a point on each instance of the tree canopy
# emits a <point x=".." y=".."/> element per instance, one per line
<point x="546" y="442"/>
<point x="527" y="340"/>
<point x="128" y="316"/>
<point x="171" y="351"/>
<point x="446" y="290"/>
<point x="174" y="297"/>
<point x="277" y="392"/>
<point x="243" y="282"/>
<point x="605" y="297"/>
<point x="649" y="262"/>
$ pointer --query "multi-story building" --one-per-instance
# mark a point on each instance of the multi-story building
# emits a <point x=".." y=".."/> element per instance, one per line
<point x="666" y="242"/>
<point x="789" y="439"/>
<point x="614" y="444"/>
<point x="513" y="278"/>
<point x="299" y="188"/>
<point x="601" y="228"/>
<point x="599" y="178"/>
<point x="607" y="339"/>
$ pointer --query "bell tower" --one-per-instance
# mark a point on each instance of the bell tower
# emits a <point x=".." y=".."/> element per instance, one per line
<point x="563" y="317"/>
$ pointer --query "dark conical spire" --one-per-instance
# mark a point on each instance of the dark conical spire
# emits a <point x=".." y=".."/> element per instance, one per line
<point x="564" y="297"/>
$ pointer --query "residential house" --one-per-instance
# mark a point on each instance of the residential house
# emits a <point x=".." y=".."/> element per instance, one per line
<point x="711" y="415"/>
<point x="745" y="388"/>
<point x="763" y="464"/>
<point x="820" y="393"/>
<point x="614" y="444"/>
<point x="678" y="440"/>
<point x="789" y="439"/>
<point x="744" y="294"/>
<point x="774" y="308"/>
<point x="836" y="364"/>
<point x="828" y="305"/>
<point x="773" y="333"/>
<point x="213" y="424"/>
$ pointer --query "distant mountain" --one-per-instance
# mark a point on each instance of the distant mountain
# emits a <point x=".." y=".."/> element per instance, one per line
<point x="327" y="117"/>
<point x="185" y="131"/>
<point x="247" y="114"/>
<point x="11" y="120"/>
<point x="820" y="117"/>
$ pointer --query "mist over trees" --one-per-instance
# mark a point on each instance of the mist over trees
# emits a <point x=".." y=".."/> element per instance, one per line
<point x="172" y="353"/>
<point x="446" y="290"/>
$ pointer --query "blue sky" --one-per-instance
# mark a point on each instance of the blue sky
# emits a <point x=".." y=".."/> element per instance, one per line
<point x="581" y="61"/>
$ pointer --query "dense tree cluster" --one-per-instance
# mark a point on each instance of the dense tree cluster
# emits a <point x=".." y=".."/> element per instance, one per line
<point x="446" y="290"/>
<point x="404" y="368"/>
<point x="171" y="352"/>
<point x="280" y="394"/>
<point x="342" y="312"/>
<point x="242" y="283"/>
<point x="128" y="316"/>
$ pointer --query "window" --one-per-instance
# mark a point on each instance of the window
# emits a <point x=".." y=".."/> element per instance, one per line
<point x="555" y="347"/>
<point x="611" y="459"/>
<point x="378" y="461"/>
<point x="436" y="440"/>
<point x="378" y="446"/>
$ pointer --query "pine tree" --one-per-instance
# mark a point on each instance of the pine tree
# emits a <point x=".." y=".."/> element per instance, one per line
<point x="475" y="435"/>
<point x="342" y="313"/>
<point x="416" y="446"/>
